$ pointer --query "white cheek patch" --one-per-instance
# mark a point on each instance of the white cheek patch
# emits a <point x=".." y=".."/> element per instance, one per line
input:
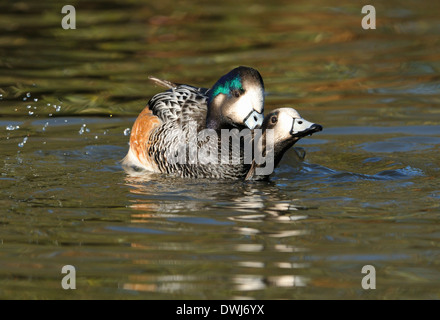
<point x="300" y="125"/>
<point x="283" y="126"/>
<point x="255" y="99"/>
<point x="249" y="107"/>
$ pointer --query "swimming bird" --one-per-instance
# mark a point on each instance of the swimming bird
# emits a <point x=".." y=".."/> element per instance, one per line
<point x="210" y="156"/>
<point x="281" y="129"/>
<point x="236" y="100"/>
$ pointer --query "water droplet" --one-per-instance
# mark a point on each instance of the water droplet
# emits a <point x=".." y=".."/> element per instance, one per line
<point x="50" y="114"/>
<point x="96" y="137"/>
<point x="21" y="144"/>
<point x="31" y="113"/>
<point x="127" y="132"/>
<point x="28" y="94"/>
<point x="11" y="127"/>
<point x="28" y="106"/>
<point x="24" y="99"/>
<point x="83" y="129"/>
<point x="35" y="99"/>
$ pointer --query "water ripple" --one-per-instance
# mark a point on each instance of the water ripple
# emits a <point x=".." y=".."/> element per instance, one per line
<point x="344" y="176"/>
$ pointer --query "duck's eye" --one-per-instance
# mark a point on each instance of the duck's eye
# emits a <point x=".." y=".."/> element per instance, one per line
<point x="238" y="92"/>
<point x="300" y="122"/>
<point x="274" y="119"/>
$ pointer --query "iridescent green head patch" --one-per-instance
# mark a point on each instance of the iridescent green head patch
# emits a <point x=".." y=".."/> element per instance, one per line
<point x="226" y="86"/>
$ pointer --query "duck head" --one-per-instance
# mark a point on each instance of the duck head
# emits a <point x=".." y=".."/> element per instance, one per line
<point x="286" y="127"/>
<point x="236" y="100"/>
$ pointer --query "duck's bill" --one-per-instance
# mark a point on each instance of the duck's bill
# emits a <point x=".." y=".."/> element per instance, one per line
<point x="254" y="120"/>
<point x="302" y="128"/>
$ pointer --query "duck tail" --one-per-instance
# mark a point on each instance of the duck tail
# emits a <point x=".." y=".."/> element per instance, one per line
<point x="163" y="83"/>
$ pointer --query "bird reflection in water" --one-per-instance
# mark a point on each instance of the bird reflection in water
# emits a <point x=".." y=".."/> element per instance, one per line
<point x="240" y="214"/>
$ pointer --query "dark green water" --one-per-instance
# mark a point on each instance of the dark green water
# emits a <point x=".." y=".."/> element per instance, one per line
<point x="367" y="194"/>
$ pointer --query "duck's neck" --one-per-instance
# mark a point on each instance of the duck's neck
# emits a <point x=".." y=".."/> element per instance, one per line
<point x="280" y="149"/>
<point x="214" y="119"/>
<point x="213" y="122"/>
<point x="276" y="153"/>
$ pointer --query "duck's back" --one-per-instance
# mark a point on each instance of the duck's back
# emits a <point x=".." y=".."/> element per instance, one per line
<point x="180" y="105"/>
<point x="164" y="129"/>
<point x="169" y="137"/>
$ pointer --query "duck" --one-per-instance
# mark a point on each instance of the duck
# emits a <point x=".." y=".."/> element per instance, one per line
<point x="236" y="100"/>
<point x="279" y="131"/>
